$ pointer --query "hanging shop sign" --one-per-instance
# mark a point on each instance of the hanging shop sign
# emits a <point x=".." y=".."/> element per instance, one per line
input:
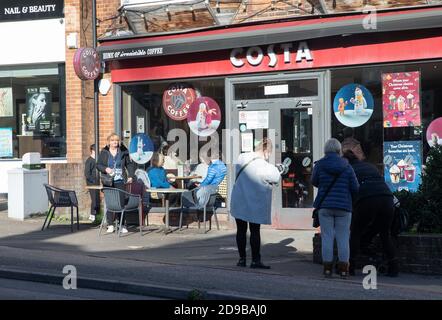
<point x="30" y="9"/>
<point x="177" y="100"/>
<point x="403" y="165"/>
<point x="254" y="56"/>
<point x="401" y="99"/>
<point x="6" y="143"/>
<point x="353" y="105"/>
<point x="204" y="116"/>
<point x="434" y="132"/>
<point x="141" y="148"/>
<point x="87" y="63"/>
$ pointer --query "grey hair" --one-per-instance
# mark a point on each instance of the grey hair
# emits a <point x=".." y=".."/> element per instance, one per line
<point x="332" y="145"/>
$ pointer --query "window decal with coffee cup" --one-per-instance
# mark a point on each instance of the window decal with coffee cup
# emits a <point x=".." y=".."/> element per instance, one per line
<point x="434" y="132"/>
<point x="401" y="99"/>
<point x="403" y="165"/>
<point x="353" y="105"/>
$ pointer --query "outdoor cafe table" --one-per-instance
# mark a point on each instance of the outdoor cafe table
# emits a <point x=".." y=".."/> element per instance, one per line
<point x="182" y="179"/>
<point x="166" y="192"/>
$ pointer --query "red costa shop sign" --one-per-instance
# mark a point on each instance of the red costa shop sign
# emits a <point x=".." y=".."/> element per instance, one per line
<point x="87" y="63"/>
<point x="177" y="100"/>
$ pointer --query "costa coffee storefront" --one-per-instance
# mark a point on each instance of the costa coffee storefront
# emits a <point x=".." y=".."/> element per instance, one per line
<point x="298" y="82"/>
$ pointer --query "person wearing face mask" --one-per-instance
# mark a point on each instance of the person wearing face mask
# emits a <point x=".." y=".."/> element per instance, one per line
<point x="251" y="201"/>
<point x="116" y="169"/>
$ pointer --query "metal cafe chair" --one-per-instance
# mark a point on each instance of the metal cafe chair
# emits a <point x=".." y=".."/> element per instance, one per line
<point x="121" y="201"/>
<point x="60" y="198"/>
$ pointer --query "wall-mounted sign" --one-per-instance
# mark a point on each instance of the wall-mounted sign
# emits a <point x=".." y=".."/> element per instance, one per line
<point x="140" y="124"/>
<point x="177" y="100"/>
<point x="87" y="63"/>
<point x="204" y="116"/>
<point x="141" y="148"/>
<point x="402" y="165"/>
<point x="353" y="105"/>
<point x="5" y="142"/>
<point x="434" y="132"/>
<point x="6" y="109"/>
<point x="255" y="55"/>
<point x="30" y="9"/>
<point x="401" y="99"/>
<point x="39" y="116"/>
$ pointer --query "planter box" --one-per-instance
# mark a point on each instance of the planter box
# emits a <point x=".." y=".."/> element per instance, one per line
<point x="417" y="253"/>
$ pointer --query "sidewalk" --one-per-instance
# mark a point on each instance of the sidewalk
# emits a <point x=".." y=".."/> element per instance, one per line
<point x="176" y="263"/>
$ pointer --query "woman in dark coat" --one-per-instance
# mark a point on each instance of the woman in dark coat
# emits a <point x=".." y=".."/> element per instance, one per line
<point x="372" y="212"/>
<point x="116" y="169"/>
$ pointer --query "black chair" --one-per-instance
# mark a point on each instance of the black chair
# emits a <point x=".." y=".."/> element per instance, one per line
<point x="60" y="198"/>
<point x="118" y="200"/>
<point x="206" y="203"/>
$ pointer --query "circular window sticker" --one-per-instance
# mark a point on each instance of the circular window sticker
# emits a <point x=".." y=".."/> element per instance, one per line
<point x="141" y="148"/>
<point x="434" y="132"/>
<point x="177" y="99"/>
<point x="353" y="105"/>
<point x="204" y="116"/>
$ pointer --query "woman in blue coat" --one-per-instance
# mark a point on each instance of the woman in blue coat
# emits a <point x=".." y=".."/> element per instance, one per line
<point x="336" y="206"/>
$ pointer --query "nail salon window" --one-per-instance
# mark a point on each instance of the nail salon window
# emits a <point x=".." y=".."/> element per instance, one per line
<point x="32" y="111"/>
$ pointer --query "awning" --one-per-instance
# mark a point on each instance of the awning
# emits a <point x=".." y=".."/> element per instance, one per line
<point x="262" y="34"/>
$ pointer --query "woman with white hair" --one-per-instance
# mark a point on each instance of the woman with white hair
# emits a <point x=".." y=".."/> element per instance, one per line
<point x="337" y="185"/>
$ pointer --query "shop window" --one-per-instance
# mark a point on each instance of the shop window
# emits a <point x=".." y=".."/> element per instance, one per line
<point x="378" y="129"/>
<point x="276" y="89"/>
<point x="32" y="111"/>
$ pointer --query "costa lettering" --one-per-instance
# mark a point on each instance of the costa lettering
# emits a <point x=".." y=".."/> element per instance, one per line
<point x="177" y="100"/>
<point x="255" y="55"/>
<point x="87" y="63"/>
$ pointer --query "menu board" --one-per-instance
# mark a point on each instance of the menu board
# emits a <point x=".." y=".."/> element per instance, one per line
<point x="401" y="99"/>
<point x="5" y="142"/>
<point x="403" y="165"/>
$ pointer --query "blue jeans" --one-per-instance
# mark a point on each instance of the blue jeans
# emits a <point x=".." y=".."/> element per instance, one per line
<point x="335" y="223"/>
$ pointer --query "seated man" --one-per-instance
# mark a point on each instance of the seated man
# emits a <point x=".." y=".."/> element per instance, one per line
<point x="215" y="173"/>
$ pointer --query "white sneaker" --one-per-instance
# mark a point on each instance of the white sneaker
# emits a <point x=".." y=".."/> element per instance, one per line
<point x="110" y="229"/>
<point x="92" y="218"/>
<point x="124" y="230"/>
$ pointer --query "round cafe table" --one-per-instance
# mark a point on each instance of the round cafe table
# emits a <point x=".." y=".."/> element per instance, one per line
<point x="167" y="192"/>
<point x="186" y="178"/>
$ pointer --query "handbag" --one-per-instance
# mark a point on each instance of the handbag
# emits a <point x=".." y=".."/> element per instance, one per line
<point x="106" y="180"/>
<point x="315" y="214"/>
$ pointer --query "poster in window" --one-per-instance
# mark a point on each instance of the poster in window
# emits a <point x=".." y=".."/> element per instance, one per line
<point x="141" y="148"/>
<point x="353" y="105"/>
<point x="403" y="165"/>
<point x="39" y="109"/>
<point x="204" y="116"/>
<point x="6" y="109"/>
<point x="434" y="132"/>
<point x="401" y="99"/>
<point x="6" y="143"/>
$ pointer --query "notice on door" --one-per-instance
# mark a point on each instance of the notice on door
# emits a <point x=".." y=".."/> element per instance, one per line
<point x="247" y="142"/>
<point x="254" y="119"/>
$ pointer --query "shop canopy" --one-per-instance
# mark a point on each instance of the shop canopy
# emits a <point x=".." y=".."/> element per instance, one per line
<point x="256" y="34"/>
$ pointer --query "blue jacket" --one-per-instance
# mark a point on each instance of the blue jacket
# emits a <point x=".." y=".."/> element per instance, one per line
<point x="215" y="173"/>
<point x="157" y="177"/>
<point x="344" y="189"/>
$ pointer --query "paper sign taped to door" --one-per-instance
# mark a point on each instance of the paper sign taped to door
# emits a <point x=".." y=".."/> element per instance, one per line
<point x="247" y="142"/>
<point x="255" y="119"/>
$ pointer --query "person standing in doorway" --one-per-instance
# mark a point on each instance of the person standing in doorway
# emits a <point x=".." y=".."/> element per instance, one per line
<point x="251" y="202"/>
<point x="91" y="174"/>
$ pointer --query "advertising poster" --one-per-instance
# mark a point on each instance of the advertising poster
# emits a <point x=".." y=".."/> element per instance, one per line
<point x="177" y="100"/>
<point x="403" y="165"/>
<point x="38" y="101"/>
<point x="5" y="142"/>
<point x="353" y="105"/>
<point x="141" y="148"/>
<point x="6" y="109"/>
<point x="401" y="99"/>
<point x="204" y="116"/>
<point x="434" y="132"/>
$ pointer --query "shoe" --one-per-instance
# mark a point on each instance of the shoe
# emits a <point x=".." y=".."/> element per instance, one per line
<point x="343" y="269"/>
<point x="124" y="230"/>
<point x="328" y="269"/>
<point x="258" y="265"/>
<point x="393" y="268"/>
<point x="110" y="229"/>
<point x="92" y="218"/>
<point x="241" y="262"/>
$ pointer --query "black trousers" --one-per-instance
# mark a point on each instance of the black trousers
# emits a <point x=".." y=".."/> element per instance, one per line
<point x="95" y="201"/>
<point x="372" y="216"/>
<point x="111" y="216"/>
<point x="255" y="238"/>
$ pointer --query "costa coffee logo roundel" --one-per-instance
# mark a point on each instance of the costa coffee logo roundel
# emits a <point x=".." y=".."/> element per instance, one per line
<point x="177" y="100"/>
<point x="87" y="63"/>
